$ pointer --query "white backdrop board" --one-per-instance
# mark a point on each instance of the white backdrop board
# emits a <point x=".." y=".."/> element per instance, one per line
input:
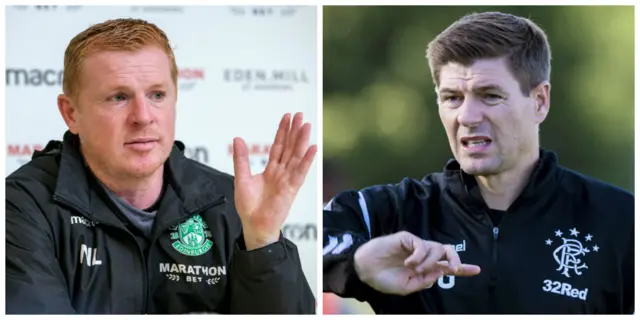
<point x="240" y="70"/>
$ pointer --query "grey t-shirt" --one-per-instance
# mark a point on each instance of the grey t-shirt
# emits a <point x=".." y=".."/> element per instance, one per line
<point x="141" y="219"/>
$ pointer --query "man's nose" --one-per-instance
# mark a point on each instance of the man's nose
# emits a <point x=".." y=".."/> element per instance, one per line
<point x="470" y="113"/>
<point x="141" y="111"/>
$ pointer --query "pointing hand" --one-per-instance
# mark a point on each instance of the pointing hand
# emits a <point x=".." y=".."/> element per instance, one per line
<point x="402" y="263"/>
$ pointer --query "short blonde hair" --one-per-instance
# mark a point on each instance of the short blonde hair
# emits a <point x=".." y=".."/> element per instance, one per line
<point x="112" y="35"/>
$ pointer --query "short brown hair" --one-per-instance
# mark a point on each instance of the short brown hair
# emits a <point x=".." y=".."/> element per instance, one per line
<point x="114" y="35"/>
<point x="494" y="35"/>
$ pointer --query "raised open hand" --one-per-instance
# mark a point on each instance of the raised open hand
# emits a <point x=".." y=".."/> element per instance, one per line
<point x="263" y="201"/>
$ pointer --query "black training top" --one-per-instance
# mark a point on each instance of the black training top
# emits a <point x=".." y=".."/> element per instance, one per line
<point x="564" y="246"/>
<point x="70" y="250"/>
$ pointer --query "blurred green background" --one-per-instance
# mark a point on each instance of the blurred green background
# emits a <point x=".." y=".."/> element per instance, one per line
<point x="381" y="120"/>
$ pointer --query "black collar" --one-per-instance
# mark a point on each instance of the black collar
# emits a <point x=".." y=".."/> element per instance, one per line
<point x="542" y="183"/>
<point x="76" y="184"/>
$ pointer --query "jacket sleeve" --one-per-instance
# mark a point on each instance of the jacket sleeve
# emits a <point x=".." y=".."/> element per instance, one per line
<point x="269" y="280"/>
<point x="628" y="295"/>
<point x="34" y="281"/>
<point x="349" y="220"/>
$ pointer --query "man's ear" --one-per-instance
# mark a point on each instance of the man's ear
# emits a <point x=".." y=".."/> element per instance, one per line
<point x="69" y="112"/>
<point x="542" y="98"/>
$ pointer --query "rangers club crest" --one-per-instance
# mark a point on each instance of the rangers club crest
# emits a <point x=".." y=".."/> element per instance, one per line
<point x="192" y="237"/>
<point x="570" y="251"/>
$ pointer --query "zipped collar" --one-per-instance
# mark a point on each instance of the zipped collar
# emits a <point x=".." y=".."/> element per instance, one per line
<point x="74" y="184"/>
<point x="542" y="184"/>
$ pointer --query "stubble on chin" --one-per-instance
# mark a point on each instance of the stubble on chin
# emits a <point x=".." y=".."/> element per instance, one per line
<point x="479" y="167"/>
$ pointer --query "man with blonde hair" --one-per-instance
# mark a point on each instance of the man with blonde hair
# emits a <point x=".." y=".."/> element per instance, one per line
<point x="115" y="219"/>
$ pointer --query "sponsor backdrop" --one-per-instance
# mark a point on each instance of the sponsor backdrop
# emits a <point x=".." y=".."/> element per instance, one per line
<point x="241" y="69"/>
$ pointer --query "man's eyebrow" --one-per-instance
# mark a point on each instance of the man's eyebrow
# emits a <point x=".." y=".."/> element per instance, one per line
<point x="161" y="85"/>
<point x="110" y="89"/>
<point x="488" y="87"/>
<point x="123" y="88"/>
<point x="448" y="90"/>
<point x="482" y="88"/>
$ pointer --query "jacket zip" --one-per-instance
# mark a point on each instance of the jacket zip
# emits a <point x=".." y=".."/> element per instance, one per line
<point x="493" y="279"/>
<point x="496" y="233"/>
<point x="141" y="254"/>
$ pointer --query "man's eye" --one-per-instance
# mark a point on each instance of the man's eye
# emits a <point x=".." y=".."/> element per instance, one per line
<point x="451" y="99"/>
<point x="492" y="97"/>
<point x="118" y="97"/>
<point x="157" y="95"/>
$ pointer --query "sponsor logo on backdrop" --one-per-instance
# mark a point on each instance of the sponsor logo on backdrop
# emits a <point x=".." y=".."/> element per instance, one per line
<point x="36" y="8"/>
<point x="21" y="152"/>
<point x="22" y="149"/>
<point x="300" y="231"/>
<point x="157" y="9"/>
<point x="266" y="79"/>
<point x="188" y="78"/>
<point x="47" y="8"/>
<point x="200" y="154"/>
<point x="264" y="11"/>
<point x="258" y="155"/>
<point x="33" y="77"/>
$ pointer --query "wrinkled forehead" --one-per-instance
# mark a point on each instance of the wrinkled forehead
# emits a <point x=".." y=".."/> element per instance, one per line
<point x="106" y="68"/>
<point x="113" y="61"/>
<point x="485" y="73"/>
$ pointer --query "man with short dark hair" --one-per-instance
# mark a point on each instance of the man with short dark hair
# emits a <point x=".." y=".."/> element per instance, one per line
<point x="115" y="218"/>
<point x="534" y="236"/>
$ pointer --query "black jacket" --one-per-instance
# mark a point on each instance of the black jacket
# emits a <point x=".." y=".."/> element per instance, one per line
<point x="70" y="251"/>
<point x="564" y="246"/>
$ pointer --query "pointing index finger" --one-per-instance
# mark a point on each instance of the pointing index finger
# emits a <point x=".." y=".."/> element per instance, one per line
<point x="468" y="270"/>
<point x="464" y="270"/>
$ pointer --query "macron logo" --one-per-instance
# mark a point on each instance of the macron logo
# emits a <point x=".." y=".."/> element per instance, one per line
<point x="82" y="220"/>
